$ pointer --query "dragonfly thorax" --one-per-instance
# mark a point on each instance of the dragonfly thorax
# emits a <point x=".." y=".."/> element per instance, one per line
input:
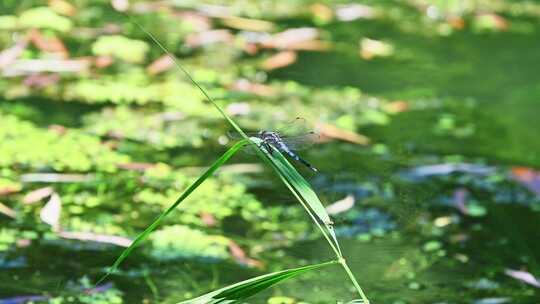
<point x="270" y="137"/>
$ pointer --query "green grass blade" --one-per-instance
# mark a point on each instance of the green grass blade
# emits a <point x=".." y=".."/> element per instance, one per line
<point x="303" y="192"/>
<point x="245" y="289"/>
<point x="141" y="237"/>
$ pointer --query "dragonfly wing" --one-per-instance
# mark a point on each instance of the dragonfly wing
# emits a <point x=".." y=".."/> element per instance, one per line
<point x="302" y="141"/>
<point x="297" y="126"/>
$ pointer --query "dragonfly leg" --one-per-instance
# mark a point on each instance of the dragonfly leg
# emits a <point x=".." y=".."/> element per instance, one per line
<point x="269" y="148"/>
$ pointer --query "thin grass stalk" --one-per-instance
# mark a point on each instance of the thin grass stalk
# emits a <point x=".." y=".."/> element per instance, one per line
<point x="345" y="266"/>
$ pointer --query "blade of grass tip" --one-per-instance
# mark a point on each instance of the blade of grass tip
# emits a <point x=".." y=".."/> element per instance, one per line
<point x="191" y="79"/>
<point x="142" y="236"/>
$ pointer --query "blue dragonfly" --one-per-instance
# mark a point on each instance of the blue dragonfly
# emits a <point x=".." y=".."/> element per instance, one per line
<point x="294" y="136"/>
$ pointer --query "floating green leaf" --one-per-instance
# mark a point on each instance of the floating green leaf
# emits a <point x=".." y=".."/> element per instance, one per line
<point x="177" y="241"/>
<point x="129" y="50"/>
<point x="44" y="17"/>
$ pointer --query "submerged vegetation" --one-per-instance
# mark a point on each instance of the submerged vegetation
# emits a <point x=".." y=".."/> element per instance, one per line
<point x="428" y="171"/>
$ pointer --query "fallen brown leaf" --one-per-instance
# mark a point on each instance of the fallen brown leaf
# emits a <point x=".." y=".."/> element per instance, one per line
<point x="50" y="213"/>
<point x="62" y="7"/>
<point x="5" y="210"/>
<point x="103" y="61"/>
<point x="37" y="195"/>
<point x="396" y="106"/>
<point x="9" y="189"/>
<point x="41" y="80"/>
<point x="197" y="21"/>
<point x="354" y="11"/>
<point x="290" y="37"/>
<point x="120" y="5"/>
<point x="246" y="24"/>
<point x="55" y="178"/>
<point x="321" y="12"/>
<point x="528" y="177"/>
<point x="160" y="65"/>
<point x="208" y="219"/>
<point x="460" y="200"/>
<point x="31" y="66"/>
<point x="328" y="131"/>
<point x="341" y="205"/>
<point x="456" y="22"/>
<point x="9" y="55"/>
<point x="279" y="60"/>
<point x="208" y="37"/>
<point x="523" y="276"/>
<point x="136" y="166"/>
<point x="51" y="44"/>
<point x="94" y="237"/>
<point x="244" y="85"/>
<point x="240" y="256"/>
<point x="496" y="21"/>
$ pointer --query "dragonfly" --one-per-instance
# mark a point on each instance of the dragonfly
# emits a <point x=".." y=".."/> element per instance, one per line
<point x="292" y="137"/>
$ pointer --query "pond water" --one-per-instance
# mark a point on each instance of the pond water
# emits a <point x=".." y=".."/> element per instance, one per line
<point x="444" y="234"/>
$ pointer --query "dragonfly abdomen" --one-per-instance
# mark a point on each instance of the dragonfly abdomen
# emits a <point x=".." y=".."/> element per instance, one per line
<point x="285" y="149"/>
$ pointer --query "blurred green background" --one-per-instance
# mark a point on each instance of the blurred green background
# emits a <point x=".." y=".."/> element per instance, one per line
<point x="428" y="115"/>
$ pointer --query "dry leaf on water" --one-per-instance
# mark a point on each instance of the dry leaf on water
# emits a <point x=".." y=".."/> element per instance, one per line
<point x="523" y="276"/>
<point x="244" y="85"/>
<point x="304" y="38"/>
<point x="328" y="131"/>
<point x="41" y="80"/>
<point x="50" y="213"/>
<point x="37" y="195"/>
<point x="103" y="61"/>
<point x="62" y="7"/>
<point x="31" y="66"/>
<point x="51" y="44"/>
<point x="160" y="65"/>
<point x="352" y="12"/>
<point x="397" y="106"/>
<point x="9" y="55"/>
<point x="371" y="48"/>
<point x="120" y="5"/>
<point x="240" y="256"/>
<point x="279" y="60"/>
<point x="94" y="237"/>
<point x="341" y="206"/>
<point x="208" y="219"/>
<point x="5" y="210"/>
<point x="208" y="37"/>
<point x="246" y="24"/>
<point x="530" y="178"/>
